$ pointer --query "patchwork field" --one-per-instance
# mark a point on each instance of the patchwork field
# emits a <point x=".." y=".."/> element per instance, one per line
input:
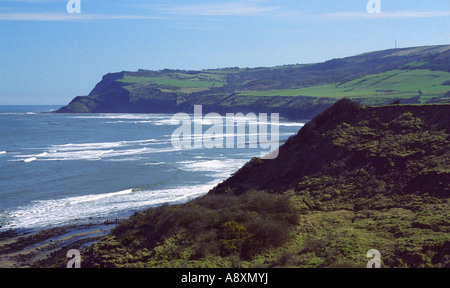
<point x="392" y="84"/>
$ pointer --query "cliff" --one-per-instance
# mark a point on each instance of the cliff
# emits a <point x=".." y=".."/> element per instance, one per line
<point x="413" y="75"/>
<point x="355" y="178"/>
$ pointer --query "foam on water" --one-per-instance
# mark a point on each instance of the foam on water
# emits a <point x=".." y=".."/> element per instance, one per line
<point x="87" y="146"/>
<point x="99" y="206"/>
<point x="208" y="165"/>
<point x="108" y="205"/>
<point x="154" y="119"/>
<point x="28" y="160"/>
<point x="221" y="168"/>
<point x="155" y="163"/>
<point x="97" y="151"/>
<point x="107" y="152"/>
<point x="116" y="116"/>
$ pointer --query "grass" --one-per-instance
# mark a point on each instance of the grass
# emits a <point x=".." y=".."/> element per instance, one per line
<point x="391" y="84"/>
<point x="188" y="82"/>
<point x="381" y="183"/>
<point x="388" y="85"/>
<point x="212" y="227"/>
<point x="413" y="76"/>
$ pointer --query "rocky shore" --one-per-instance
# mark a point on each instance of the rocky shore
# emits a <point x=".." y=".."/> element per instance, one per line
<point x="39" y="249"/>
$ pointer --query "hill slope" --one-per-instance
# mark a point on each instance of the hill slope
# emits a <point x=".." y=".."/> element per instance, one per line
<point x="354" y="178"/>
<point x="415" y="75"/>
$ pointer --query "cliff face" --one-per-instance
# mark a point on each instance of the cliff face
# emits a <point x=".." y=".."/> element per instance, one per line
<point x="355" y="178"/>
<point x="348" y="137"/>
<point x="415" y="75"/>
<point x="113" y="97"/>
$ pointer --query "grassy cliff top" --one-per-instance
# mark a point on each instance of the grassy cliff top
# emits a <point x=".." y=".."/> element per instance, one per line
<point x="413" y="75"/>
<point x="355" y="178"/>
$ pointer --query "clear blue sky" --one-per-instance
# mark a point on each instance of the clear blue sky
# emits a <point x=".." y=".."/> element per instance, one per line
<point x="49" y="56"/>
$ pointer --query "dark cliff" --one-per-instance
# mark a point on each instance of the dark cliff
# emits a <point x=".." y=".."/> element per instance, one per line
<point x="293" y="91"/>
<point x="353" y="179"/>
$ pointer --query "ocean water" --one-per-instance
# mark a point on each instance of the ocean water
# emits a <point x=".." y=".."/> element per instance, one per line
<point x="58" y="169"/>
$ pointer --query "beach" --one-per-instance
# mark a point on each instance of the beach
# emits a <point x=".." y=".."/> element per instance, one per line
<point x="39" y="249"/>
<point x="71" y="171"/>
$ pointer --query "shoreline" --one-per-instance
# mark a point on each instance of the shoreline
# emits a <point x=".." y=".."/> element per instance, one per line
<point x="36" y="249"/>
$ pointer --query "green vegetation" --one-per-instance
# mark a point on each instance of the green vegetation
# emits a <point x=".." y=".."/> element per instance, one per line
<point x="199" y="233"/>
<point x="355" y="178"/>
<point x="176" y="82"/>
<point x="393" y="84"/>
<point x="414" y="75"/>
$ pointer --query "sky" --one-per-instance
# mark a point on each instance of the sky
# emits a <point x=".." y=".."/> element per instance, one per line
<point x="50" y="54"/>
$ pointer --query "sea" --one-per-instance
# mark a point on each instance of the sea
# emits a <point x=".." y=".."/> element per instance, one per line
<point x="62" y="169"/>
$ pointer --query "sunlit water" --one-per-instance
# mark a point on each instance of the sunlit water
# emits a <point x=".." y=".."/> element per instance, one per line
<point x="58" y="169"/>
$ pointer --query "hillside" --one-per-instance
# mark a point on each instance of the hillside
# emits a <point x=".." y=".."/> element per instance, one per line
<point x="354" y="178"/>
<point x="414" y="75"/>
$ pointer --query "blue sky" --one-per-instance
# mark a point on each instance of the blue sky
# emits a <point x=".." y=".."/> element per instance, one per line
<point x="49" y="56"/>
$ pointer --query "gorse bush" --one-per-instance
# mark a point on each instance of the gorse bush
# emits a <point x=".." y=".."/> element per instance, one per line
<point x="354" y="179"/>
<point x="213" y="225"/>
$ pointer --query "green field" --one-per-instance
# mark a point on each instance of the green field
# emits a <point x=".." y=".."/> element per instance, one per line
<point x="395" y="84"/>
<point x="416" y="75"/>
<point x="182" y="82"/>
<point x="392" y="84"/>
<point x="373" y="89"/>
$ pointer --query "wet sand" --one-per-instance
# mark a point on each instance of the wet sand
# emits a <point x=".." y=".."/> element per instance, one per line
<point x="37" y="249"/>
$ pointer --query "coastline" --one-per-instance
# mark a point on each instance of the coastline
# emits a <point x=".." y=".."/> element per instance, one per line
<point x="38" y="248"/>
